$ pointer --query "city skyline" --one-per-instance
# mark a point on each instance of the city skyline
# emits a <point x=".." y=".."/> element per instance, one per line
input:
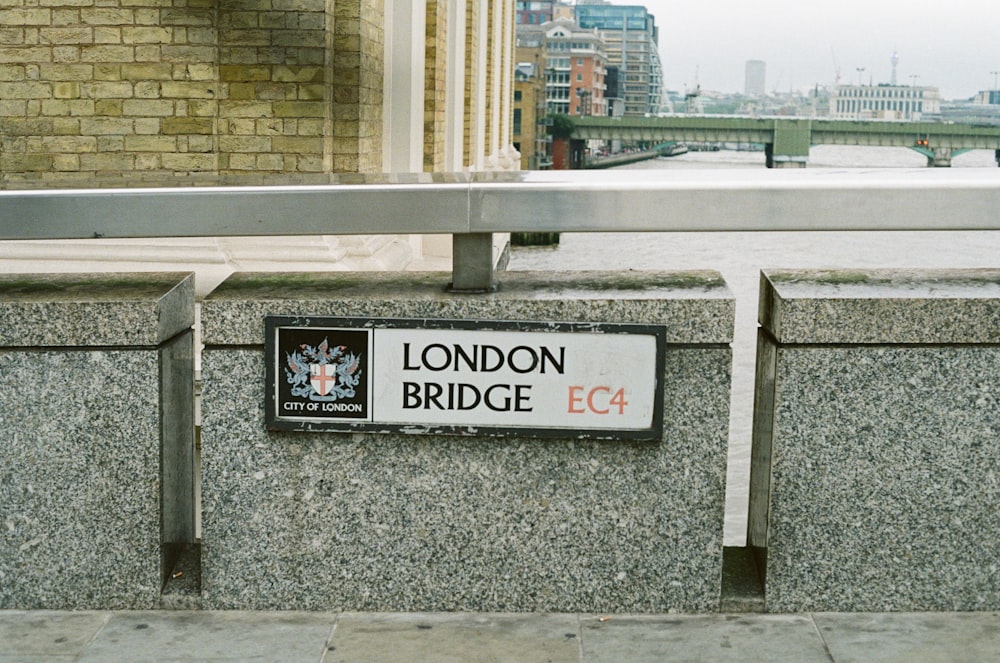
<point x="804" y="44"/>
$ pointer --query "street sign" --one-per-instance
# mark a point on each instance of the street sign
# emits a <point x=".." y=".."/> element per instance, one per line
<point x="581" y="380"/>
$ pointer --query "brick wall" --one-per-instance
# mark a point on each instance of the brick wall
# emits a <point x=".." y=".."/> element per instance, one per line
<point x="472" y="80"/>
<point x="91" y="87"/>
<point x="94" y="87"/>
<point x="98" y="87"/>
<point x="435" y="74"/>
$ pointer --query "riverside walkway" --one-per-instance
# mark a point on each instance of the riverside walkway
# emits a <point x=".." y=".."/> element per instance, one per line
<point x="296" y="637"/>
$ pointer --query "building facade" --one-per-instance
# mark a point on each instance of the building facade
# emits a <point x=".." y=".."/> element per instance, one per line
<point x="530" y="133"/>
<point x="756" y="72"/>
<point x="632" y="42"/>
<point x="176" y="87"/>
<point x="534" y="12"/>
<point x="885" y="102"/>
<point x="575" y="66"/>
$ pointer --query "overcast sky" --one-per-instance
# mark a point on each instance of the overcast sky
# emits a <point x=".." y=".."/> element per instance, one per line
<point x="953" y="45"/>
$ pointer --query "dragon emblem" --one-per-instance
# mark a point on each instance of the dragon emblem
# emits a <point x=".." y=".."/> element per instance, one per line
<point x="322" y="373"/>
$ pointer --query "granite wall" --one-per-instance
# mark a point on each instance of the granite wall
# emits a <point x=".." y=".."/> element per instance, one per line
<point x="96" y="438"/>
<point x="397" y="522"/>
<point x="874" y="484"/>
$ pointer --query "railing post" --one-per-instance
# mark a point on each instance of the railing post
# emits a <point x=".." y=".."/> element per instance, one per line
<point x="472" y="263"/>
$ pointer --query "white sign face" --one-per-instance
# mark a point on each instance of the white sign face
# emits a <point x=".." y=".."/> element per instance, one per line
<point x="571" y="380"/>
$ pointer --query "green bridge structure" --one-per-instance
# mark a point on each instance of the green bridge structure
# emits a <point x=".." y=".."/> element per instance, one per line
<point x="787" y="140"/>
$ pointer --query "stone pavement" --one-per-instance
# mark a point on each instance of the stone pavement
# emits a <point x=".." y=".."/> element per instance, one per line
<point x="133" y="637"/>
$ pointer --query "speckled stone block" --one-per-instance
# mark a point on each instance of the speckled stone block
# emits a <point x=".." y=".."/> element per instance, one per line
<point x="396" y="522"/>
<point x="96" y="437"/>
<point x="876" y="436"/>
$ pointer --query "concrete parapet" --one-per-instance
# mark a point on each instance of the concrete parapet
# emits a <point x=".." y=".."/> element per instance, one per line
<point x="412" y="522"/>
<point x="873" y="481"/>
<point x="96" y="437"/>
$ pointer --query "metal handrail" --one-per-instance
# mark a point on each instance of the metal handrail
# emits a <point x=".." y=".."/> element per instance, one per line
<point x="473" y="206"/>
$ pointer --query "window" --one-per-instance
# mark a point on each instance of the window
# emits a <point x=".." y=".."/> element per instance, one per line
<point x="517" y="95"/>
<point x="517" y="121"/>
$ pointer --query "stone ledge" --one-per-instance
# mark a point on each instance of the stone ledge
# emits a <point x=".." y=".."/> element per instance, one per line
<point x="696" y="307"/>
<point x="87" y="310"/>
<point x="881" y="306"/>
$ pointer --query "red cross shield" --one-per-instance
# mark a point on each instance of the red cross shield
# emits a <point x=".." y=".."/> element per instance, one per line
<point x="323" y="378"/>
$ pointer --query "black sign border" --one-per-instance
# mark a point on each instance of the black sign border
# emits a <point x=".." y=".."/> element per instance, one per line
<point x="275" y="422"/>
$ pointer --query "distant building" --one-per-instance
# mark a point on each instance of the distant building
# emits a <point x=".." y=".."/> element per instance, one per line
<point x="529" y="129"/>
<point x="535" y="12"/>
<point x="632" y="41"/>
<point x="575" y="65"/>
<point x="884" y="102"/>
<point x="755" y="77"/>
<point x="987" y="98"/>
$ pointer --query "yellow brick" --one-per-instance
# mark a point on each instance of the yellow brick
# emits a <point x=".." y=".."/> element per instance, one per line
<point x="66" y="162"/>
<point x="242" y="161"/>
<point x="147" y="71"/>
<point x="105" y="126"/>
<point x="107" y="162"/>
<point x="22" y="16"/>
<point x="146" y="126"/>
<point x="110" y="90"/>
<point x="245" y="143"/>
<point x="26" y="54"/>
<point x="299" y="109"/>
<point x="77" y="35"/>
<point x="107" y="72"/>
<point x="66" y="90"/>
<point x="66" y="72"/>
<point x="63" y="107"/>
<point x="74" y="144"/>
<point x="297" y="144"/>
<point x="107" y="53"/>
<point x="148" y="107"/>
<point x="147" y="90"/>
<point x="150" y="143"/>
<point x="108" y="107"/>
<point x="186" y="90"/>
<point x="107" y="35"/>
<point x="202" y="108"/>
<point x="25" y="162"/>
<point x="270" y="162"/>
<point x="187" y="125"/>
<point x="147" y="35"/>
<point x="244" y="73"/>
<point x="244" y="109"/>
<point x="190" y="162"/>
<point x="149" y="161"/>
<point x="288" y="74"/>
<point x="201" y="72"/>
<point x="22" y="126"/>
<point x="25" y="90"/>
<point x="107" y="16"/>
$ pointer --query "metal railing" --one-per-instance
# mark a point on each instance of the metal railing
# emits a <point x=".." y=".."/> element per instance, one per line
<point x="472" y="207"/>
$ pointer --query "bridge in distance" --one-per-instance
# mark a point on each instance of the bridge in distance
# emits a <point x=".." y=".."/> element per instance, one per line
<point x="787" y="140"/>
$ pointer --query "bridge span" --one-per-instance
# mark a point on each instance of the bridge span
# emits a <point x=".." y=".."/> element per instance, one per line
<point x="787" y="140"/>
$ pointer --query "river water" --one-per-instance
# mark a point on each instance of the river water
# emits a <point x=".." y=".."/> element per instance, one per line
<point x="740" y="256"/>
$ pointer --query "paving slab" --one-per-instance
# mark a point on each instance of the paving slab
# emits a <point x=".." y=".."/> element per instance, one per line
<point x="928" y="637"/>
<point x="192" y="636"/>
<point x="702" y="639"/>
<point x="47" y="635"/>
<point x="455" y="637"/>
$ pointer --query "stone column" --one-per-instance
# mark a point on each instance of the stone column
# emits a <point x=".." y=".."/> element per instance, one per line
<point x="96" y="438"/>
<point x="873" y="482"/>
<point x="391" y="521"/>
